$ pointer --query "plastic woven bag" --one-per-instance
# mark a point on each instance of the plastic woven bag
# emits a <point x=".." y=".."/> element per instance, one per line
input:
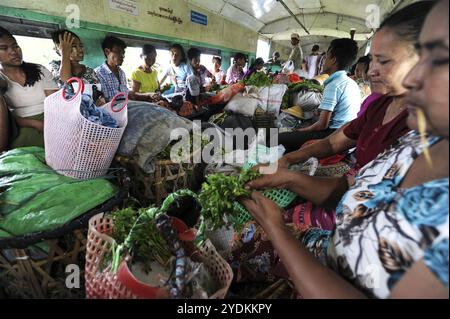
<point x="75" y="146"/>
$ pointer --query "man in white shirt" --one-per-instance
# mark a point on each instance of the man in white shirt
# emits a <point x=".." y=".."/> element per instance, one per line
<point x="297" y="53"/>
<point x="312" y="62"/>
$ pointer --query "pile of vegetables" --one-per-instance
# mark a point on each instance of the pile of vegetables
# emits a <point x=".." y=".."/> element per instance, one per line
<point x="258" y="79"/>
<point x="136" y="230"/>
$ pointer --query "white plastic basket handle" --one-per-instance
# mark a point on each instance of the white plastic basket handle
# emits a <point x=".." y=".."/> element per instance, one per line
<point x="114" y="100"/>
<point x="80" y="88"/>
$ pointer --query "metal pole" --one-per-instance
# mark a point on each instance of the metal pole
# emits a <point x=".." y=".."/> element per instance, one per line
<point x="293" y="15"/>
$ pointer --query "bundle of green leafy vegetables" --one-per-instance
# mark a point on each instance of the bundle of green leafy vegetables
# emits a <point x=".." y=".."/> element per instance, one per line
<point x="258" y="79"/>
<point x="306" y="85"/>
<point x="135" y="232"/>
<point x="218" y="195"/>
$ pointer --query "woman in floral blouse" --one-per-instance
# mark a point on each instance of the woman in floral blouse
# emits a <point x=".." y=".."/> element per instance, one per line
<point x="391" y="237"/>
<point x="69" y="46"/>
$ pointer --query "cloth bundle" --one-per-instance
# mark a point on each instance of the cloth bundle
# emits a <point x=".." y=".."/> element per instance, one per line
<point x="91" y="112"/>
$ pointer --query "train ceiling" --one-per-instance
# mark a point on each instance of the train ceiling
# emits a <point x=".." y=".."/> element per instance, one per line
<point x="323" y="20"/>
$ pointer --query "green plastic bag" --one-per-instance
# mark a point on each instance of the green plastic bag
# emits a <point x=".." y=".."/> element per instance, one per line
<point x="34" y="198"/>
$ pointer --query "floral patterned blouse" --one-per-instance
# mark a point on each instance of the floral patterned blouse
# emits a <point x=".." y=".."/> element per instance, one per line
<point x="383" y="229"/>
<point x="89" y="76"/>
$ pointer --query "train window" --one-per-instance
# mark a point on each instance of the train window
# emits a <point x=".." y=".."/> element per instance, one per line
<point x="133" y="61"/>
<point x="369" y="45"/>
<point x="206" y="60"/>
<point x="37" y="50"/>
<point x="263" y="49"/>
<point x="34" y="39"/>
<point x="163" y="60"/>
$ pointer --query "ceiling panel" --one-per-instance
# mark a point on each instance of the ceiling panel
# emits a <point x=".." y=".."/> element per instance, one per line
<point x="322" y="17"/>
<point x="256" y="8"/>
<point x="214" y="6"/>
<point x="236" y="14"/>
<point x="317" y="20"/>
<point x="308" y="4"/>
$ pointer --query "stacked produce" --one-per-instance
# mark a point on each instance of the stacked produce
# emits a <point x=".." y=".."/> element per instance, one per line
<point x="258" y="79"/>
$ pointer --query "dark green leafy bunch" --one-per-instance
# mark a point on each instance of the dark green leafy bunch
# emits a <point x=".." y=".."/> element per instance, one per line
<point x="147" y="244"/>
<point x="305" y="85"/>
<point x="123" y="221"/>
<point x="258" y="79"/>
<point x="219" y="193"/>
<point x="136" y="232"/>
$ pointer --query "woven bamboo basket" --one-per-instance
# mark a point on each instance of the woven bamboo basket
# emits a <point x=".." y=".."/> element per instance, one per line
<point x="29" y="272"/>
<point x="264" y="120"/>
<point x="24" y="274"/>
<point x="152" y="189"/>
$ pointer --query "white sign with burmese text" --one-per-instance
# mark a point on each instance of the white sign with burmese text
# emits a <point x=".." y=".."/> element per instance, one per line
<point x="126" y="6"/>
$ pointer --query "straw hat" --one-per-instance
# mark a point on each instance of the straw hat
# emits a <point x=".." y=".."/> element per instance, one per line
<point x="321" y="78"/>
<point x="295" y="111"/>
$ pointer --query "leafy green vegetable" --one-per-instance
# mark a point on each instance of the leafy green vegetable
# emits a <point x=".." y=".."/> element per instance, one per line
<point x="146" y="242"/>
<point x="305" y="85"/>
<point x="165" y="154"/>
<point x="258" y="79"/>
<point x="123" y="221"/>
<point x="219" y="193"/>
<point x="136" y="232"/>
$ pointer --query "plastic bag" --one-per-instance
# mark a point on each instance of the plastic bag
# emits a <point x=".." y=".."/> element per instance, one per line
<point x="245" y="105"/>
<point x="148" y="133"/>
<point x="308" y="101"/>
<point x="271" y="97"/>
<point x="288" y="67"/>
<point x="34" y="198"/>
<point x="288" y="122"/>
